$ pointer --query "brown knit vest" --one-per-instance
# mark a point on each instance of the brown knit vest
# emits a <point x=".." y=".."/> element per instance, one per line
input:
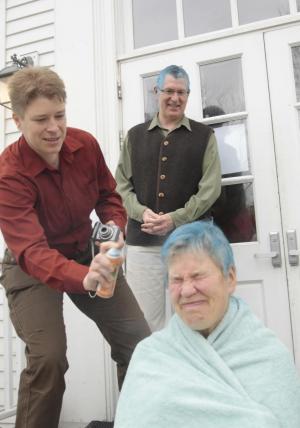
<point x="166" y="171"/>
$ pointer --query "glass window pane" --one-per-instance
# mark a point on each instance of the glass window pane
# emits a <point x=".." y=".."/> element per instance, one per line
<point x="202" y="16"/>
<point x="233" y="148"/>
<point x="154" y="21"/>
<point x="296" y="63"/>
<point x="256" y="10"/>
<point x="150" y="98"/>
<point x="234" y="212"/>
<point x="222" y="85"/>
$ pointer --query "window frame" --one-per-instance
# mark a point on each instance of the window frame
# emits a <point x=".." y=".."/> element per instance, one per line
<point x="124" y="29"/>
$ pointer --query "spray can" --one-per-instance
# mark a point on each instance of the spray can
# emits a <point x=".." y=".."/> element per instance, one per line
<point x="107" y="288"/>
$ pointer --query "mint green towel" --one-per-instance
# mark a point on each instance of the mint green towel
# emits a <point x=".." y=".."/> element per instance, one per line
<point x="241" y="376"/>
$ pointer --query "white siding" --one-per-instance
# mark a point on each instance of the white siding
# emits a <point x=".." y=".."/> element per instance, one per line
<point x="9" y="364"/>
<point x="2" y="357"/>
<point x="18" y="26"/>
<point x="27" y="8"/>
<point x="30" y="28"/>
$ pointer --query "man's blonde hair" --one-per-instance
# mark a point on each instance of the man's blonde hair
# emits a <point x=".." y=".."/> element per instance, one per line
<point x="30" y="83"/>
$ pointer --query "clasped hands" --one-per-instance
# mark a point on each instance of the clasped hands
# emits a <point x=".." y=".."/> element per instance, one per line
<point x="156" y="224"/>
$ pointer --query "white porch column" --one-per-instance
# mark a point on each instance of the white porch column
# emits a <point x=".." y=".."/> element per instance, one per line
<point x="107" y="105"/>
<point x="107" y="129"/>
<point x="85" y="59"/>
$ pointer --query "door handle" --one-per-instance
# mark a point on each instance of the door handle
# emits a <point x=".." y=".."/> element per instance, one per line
<point x="265" y="255"/>
<point x="292" y="245"/>
<point x="275" y="253"/>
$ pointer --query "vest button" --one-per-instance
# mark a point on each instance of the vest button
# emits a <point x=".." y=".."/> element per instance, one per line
<point x="162" y="177"/>
<point x="161" y="195"/>
<point x="164" y="158"/>
<point x="166" y="143"/>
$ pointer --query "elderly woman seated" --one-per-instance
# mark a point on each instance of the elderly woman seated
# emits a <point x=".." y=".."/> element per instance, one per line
<point x="215" y="365"/>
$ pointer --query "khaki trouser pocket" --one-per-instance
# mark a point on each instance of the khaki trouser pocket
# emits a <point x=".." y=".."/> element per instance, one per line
<point x="13" y="277"/>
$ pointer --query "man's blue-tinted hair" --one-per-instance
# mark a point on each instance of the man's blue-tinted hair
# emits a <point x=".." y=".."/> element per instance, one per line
<point x="175" y="71"/>
<point x="197" y="237"/>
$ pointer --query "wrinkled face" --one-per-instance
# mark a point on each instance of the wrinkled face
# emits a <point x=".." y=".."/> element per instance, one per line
<point x="172" y="106"/>
<point x="43" y="125"/>
<point x="199" y="291"/>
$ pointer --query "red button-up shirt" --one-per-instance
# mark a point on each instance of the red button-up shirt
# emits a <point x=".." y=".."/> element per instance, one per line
<point x="45" y="212"/>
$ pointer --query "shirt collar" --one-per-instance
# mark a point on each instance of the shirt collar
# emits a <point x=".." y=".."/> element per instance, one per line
<point x="34" y="164"/>
<point x="155" y="123"/>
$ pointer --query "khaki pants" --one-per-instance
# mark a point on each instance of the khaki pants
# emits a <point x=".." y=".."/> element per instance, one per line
<point x="37" y="314"/>
<point x="147" y="278"/>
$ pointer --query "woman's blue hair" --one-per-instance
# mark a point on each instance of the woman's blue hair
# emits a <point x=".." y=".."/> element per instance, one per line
<point x="197" y="237"/>
<point x="175" y="71"/>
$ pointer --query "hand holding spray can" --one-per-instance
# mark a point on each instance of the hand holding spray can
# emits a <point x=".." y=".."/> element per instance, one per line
<point x="106" y="288"/>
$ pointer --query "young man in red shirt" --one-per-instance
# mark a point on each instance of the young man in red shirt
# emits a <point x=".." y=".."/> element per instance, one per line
<point x="51" y="179"/>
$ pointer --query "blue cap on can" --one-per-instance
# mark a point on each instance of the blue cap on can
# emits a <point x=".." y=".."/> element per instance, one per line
<point x="114" y="252"/>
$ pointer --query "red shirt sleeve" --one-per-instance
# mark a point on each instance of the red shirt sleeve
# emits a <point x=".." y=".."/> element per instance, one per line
<point x="24" y="235"/>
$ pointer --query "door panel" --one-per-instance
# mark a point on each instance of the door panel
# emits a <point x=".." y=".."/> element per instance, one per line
<point x="261" y="284"/>
<point x="283" y="61"/>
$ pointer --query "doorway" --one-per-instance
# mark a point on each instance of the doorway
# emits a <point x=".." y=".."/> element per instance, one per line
<point x="232" y="86"/>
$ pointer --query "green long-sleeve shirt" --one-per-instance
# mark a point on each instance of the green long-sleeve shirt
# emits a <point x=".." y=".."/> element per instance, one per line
<point x="209" y="187"/>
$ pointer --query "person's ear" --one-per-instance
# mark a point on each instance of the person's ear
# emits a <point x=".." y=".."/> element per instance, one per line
<point x="231" y="280"/>
<point x="17" y="120"/>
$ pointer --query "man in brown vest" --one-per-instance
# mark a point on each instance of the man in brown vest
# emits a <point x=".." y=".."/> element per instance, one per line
<point x="168" y="174"/>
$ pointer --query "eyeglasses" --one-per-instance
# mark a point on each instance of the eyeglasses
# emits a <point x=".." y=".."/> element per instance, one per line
<point x="171" y="92"/>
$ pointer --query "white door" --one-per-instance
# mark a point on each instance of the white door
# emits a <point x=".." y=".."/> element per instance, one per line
<point x="231" y="74"/>
<point x="283" y="61"/>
